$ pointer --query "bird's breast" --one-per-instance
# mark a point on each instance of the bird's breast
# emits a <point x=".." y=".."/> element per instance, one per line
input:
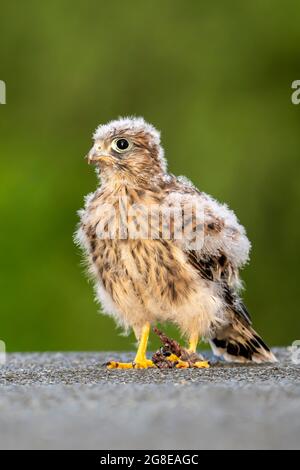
<point x="142" y="270"/>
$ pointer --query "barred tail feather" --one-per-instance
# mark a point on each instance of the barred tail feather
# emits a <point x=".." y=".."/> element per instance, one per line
<point x="239" y="342"/>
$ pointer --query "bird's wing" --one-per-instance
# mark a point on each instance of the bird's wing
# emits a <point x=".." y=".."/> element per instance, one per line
<point x="220" y="271"/>
<point x="209" y="228"/>
<point x="214" y="241"/>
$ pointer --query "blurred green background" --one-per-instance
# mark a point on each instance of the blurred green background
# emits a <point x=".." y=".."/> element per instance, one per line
<point x="215" y="77"/>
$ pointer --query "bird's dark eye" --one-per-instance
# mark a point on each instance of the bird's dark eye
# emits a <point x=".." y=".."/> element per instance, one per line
<point x="120" y="145"/>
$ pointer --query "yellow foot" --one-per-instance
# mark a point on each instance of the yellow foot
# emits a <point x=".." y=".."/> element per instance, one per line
<point x="119" y="365"/>
<point x="179" y="363"/>
<point x="201" y="365"/>
<point x="145" y="364"/>
<point x="173" y="358"/>
<point x="188" y="365"/>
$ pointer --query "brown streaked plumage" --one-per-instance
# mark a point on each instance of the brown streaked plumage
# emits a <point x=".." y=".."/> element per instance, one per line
<point x="143" y="276"/>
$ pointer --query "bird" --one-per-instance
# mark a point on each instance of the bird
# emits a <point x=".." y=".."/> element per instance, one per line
<point x="148" y="267"/>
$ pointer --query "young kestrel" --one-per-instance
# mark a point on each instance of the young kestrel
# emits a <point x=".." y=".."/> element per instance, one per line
<point x="160" y="250"/>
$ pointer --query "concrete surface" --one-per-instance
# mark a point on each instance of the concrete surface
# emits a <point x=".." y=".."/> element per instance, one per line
<point x="69" y="401"/>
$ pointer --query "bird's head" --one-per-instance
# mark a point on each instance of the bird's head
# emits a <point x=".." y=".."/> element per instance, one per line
<point x="127" y="149"/>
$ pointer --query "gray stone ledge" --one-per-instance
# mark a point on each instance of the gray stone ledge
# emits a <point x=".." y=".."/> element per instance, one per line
<point x="69" y="401"/>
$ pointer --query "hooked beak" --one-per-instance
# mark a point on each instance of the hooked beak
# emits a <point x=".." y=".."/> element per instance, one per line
<point x="94" y="157"/>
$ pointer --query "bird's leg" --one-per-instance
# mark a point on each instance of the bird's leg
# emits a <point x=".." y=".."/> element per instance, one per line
<point x="140" y="361"/>
<point x="193" y="342"/>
